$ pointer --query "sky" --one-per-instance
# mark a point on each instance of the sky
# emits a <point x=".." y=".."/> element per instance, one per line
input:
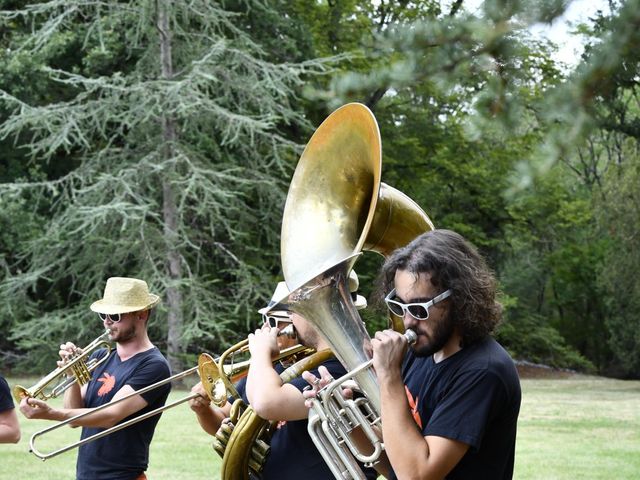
<point x="570" y="46"/>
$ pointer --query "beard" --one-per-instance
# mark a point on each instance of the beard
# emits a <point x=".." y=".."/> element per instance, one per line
<point x="442" y="332"/>
<point x="309" y="338"/>
<point x="123" y="335"/>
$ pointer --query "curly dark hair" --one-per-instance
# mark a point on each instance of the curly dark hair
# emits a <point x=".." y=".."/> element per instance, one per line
<point x="455" y="264"/>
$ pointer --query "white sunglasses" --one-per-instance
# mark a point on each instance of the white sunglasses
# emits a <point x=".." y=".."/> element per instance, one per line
<point x="419" y="311"/>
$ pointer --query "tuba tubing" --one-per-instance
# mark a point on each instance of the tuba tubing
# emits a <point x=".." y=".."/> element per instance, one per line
<point x="240" y="456"/>
<point x="333" y="417"/>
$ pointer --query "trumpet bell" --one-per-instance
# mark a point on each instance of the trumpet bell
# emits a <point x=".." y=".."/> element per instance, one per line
<point x="58" y="381"/>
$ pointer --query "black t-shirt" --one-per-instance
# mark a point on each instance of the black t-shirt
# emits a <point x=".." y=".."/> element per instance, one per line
<point x="473" y="397"/>
<point x="124" y="454"/>
<point x="6" y="402"/>
<point x="293" y="455"/>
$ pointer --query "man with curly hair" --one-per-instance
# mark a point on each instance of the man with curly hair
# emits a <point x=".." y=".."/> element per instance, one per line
<point x="450" y="403"/>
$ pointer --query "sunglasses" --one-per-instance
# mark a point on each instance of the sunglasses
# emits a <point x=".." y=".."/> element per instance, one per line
<point x="114" y="317"/>
<point x="274" y="320"/>
<point x="419" y="311"/>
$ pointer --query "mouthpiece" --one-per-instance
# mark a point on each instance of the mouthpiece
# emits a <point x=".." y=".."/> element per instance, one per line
<point x="411" y="336"/>
<point x="289" y="331"/>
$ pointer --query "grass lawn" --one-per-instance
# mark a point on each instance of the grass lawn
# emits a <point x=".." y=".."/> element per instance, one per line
<point x="577" y="427"/>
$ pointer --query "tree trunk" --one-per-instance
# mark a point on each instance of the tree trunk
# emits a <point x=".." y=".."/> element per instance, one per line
<point x="169" y="207"/>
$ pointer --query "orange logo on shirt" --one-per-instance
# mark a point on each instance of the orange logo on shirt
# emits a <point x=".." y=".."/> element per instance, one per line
<point x="413" y="403"/>
<point x="108" y="382"/>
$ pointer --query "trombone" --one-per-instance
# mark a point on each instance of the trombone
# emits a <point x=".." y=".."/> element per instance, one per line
<point x="77" y="365"/>
<point x="216" y="378"/>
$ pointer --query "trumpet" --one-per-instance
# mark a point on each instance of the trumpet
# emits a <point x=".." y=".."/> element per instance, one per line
<point x="78" y="366"/>
<point x="216" y="378"/>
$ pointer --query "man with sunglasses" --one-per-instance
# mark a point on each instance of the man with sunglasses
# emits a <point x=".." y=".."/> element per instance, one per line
<point x="449" y="403"/>
<point x="135" y="363"/>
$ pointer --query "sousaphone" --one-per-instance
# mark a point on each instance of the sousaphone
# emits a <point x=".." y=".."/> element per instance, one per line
<point x="335" y="208"/>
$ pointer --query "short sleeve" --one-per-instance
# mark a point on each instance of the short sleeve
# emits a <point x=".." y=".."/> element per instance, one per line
<point x="151" y="371"/>
<point x="6" y="402"/>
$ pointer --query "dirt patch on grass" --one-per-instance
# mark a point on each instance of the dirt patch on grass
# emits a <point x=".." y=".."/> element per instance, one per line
<point x="535" y="370"/>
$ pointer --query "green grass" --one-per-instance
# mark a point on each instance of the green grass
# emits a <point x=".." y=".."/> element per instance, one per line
<point x="180" y="449"/>
<point x="578" y="427"/>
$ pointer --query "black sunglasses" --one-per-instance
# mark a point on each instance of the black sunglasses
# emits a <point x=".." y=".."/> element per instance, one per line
<point x="114" y="317"/>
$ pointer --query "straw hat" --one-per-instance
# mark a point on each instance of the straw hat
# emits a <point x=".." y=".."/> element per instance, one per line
<point x="124" y="295"/>
<point x="281" y="294"/>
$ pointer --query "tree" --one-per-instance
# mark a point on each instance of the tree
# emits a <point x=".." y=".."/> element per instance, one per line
<point x="164" y="117"/>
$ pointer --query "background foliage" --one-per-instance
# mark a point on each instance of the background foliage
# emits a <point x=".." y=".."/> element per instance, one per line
<point x="157" y="139"/>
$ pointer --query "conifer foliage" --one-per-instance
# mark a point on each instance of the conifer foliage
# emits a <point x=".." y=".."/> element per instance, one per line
<point x="154" y="150"/>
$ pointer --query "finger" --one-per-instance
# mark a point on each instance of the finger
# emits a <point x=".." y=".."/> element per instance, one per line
<point x="391" y="332"/>
<point x="324" y="373"/>
<point x="309" y="377"/>
<point x="309" y="392"/>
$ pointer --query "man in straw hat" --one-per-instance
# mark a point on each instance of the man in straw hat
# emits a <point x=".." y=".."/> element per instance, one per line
<point x="293" y="454"/>
<point x="135" y="363"/>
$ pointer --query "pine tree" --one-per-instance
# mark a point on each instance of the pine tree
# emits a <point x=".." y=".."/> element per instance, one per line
<point x="164" y="119"/>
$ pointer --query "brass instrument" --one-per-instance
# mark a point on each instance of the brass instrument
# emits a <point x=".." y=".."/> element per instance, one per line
<point x="77" y="365"/>
<point x="335" y="208"/>
<point x="213" y="374"/>
<point x="333" y="417"/>
<point x="218" y="377"/>
<point x="243" y="444"/>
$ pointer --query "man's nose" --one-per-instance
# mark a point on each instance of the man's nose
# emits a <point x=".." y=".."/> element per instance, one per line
<point x="409" y="320"/>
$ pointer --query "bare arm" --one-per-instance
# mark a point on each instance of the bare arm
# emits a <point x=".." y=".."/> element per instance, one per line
<point x="105" y="418"/>
<point x="9" y="426"/>
<point x="209" y="416"/>
<point x="74" y="396"/>
<point x="427" y="457"/>
<point x="269" y="397"/>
